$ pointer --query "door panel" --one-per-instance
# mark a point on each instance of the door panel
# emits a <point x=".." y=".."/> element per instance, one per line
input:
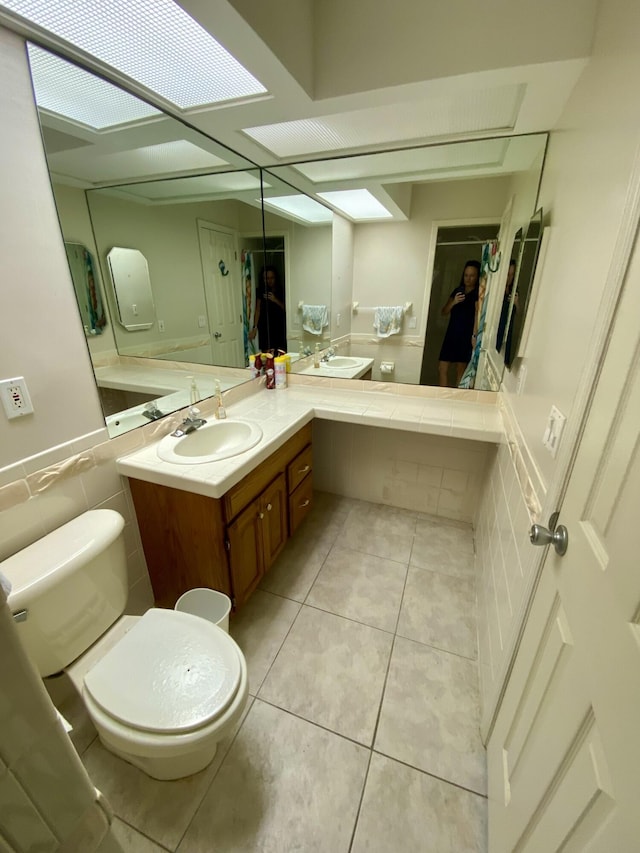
<point x="274" y="507"/>
<point x="223" y="295"/>
<point x="245" y="552"/>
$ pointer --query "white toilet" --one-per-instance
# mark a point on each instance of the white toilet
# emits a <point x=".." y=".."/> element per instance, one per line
<point x="162" y="689"/>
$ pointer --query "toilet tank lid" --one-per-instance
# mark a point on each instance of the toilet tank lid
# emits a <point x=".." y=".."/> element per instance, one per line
<point x="65" y="550"/>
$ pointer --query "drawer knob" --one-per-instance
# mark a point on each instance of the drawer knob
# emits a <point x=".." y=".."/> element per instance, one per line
<point x="269" y="507"/>
<point x="306" y="503"/>
<point x="304" y="470"/>
<point x="260" y="515"/>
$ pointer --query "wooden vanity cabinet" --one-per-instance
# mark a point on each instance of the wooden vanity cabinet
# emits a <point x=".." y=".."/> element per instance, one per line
<point x="227" y="544"/>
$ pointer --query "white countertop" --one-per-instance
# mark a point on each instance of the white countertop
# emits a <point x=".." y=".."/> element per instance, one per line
<point x="158" y="381"/>
<point x="282" y="412"/>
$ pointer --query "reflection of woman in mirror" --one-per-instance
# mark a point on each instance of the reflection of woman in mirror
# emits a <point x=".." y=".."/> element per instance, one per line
<point x="461" y="310"/>
<point x="504" y="313"/>
<point x="270" y="319"/>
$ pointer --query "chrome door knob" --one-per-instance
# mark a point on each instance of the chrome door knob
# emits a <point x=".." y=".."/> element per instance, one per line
<point x="559" y="537"/>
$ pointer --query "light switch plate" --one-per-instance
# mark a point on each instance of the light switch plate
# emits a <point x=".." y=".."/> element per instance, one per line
<point x="413" y="322"/>
<point x="553" y="431"/>
<point x="202" y="321"/>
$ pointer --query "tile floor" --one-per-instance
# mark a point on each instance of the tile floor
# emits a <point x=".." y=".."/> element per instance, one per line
<point x="361" y="732"/>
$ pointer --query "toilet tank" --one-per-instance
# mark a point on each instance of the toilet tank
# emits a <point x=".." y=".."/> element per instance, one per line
<point x="68" y="588"/>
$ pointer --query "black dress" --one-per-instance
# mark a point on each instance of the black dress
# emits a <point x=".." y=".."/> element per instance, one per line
<point x="456" y="345"/>
<point x="272" y="324"/>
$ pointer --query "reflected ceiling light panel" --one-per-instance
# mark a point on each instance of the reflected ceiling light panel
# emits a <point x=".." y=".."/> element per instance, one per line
<point x="300" y="206"/>
<point x="65" y="90"/>
<point x="154" y="42"/>
<point x="357" y="204"/>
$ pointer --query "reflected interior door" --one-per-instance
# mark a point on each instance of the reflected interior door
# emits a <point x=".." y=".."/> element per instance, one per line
<point x="564" y="755"/>
<point x="222" y="287"/>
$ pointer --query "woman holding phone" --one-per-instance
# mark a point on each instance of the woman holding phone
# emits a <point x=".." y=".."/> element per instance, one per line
<point x="461" y="310"/>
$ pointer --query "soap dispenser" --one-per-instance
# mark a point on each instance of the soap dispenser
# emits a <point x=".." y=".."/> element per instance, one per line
<point x="316" y="356"/>
<point x="220" y="409"/>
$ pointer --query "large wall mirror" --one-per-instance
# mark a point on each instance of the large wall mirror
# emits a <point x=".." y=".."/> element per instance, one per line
<point x="405" y="224"/>
<point x="155" y="216"/>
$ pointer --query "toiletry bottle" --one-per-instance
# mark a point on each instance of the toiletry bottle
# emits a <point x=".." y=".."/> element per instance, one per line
<point x="221" y="412"/>
<point x="258" y="363"/>
<point x="270" y="371"/>
<point x="280" y="366"/>
<point x="252" y="366"/>
<point x="194" y="393"/>
<point x="316" y="356"/>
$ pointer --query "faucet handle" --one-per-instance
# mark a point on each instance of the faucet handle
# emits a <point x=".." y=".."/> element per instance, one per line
<point x="193" y="412"/>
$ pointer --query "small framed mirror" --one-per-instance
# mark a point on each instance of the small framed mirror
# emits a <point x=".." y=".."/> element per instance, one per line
<point x="87" y="288"/>
<point x="524" y="280"/>
<point x="132" y="288"/>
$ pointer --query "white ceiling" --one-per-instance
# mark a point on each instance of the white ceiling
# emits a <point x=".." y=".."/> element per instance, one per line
<point x="345" y="77"/>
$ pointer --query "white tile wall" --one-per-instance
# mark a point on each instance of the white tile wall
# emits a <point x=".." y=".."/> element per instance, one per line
<point x="503" y="560"/>
<point x="426" y="473"/>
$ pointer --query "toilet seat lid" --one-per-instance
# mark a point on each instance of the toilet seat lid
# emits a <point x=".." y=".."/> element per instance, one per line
<point x="172" y="672"/>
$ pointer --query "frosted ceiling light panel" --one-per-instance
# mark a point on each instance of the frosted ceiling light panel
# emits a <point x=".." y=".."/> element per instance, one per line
<point x="63" y="89"/>
<point x="357" y="204"/>
<point x="300" y="206"/>
<point x="154" y="42"/>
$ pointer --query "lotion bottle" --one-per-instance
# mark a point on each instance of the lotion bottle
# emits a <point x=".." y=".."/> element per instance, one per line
<point x="221" y="412"/>
<point x="316" y="356"/>
<point x="194" y="392"/>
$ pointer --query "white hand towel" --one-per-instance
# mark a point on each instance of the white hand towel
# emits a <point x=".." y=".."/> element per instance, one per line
<point x="315" y="318"/>
<point x="387" y="320"/>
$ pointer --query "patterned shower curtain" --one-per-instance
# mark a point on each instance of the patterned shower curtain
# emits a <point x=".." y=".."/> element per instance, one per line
<point x="489" y="264"/>
<point x="249" y="303"/>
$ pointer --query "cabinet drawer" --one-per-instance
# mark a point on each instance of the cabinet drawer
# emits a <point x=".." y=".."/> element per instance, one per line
<point x="299" y="468"/>
<point x="300" y="503"/>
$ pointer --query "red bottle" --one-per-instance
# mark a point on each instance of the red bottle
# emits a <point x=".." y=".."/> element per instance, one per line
<point x="270" y="371"/>
<point x="258" y="364"/>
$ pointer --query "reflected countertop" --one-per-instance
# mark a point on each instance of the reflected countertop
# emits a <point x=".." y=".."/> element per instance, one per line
<point x="281" y="413"/>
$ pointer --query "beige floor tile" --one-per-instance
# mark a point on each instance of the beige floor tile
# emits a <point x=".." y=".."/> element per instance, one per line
<point x="331" y="671"/>
<point x="430" y="715"/>
<point x="133" y="841"/>
<point x="160" y="810"/>
<point x="439" y="610"/>
<point x="409" y="811"/>
<point x="259" y="628"/>
<point x="286" y="785"/>
<point x="382" y="531"/>
<point x="297" y="567"/>
<point x="443" y="547"/>
<point x="361" y="587"/>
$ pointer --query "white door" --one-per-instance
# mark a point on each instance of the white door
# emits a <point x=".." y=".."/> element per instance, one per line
<point x="222" y="287"/>
<point x="564" y="755"/>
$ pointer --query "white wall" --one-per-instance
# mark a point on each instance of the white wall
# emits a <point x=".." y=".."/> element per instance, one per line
<point x="309" y="252"/>
<point x="584" y="189"/>
<point x="40" y="327"/>
<point x="583" y="192"/>
<point x="341" y="277"/>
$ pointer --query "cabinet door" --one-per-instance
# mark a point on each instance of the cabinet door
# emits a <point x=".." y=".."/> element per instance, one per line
<point x="274" y="509"/>
<point x="245" y="551"/>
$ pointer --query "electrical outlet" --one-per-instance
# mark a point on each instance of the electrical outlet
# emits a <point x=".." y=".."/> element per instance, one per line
<point x="412" y="323"/>
<point x="161" y="325"/>
<point x="15" y="397"/>
<point x="202" y="321"/>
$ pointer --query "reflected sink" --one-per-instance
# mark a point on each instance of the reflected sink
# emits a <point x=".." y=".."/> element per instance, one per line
<point x="210" y="443"/>
<point x="117" y="424"/>
<point x="342" y="362"/>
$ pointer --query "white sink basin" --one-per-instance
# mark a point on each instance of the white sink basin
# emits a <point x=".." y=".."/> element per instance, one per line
<point x="342" y="362"/>
<point x="210" y="443"/>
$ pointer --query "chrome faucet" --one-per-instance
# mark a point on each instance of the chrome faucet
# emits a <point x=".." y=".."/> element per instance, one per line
<point x="328" y="354"/>
<point x="190" y="423"/>
<point x="152" y="411"/>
